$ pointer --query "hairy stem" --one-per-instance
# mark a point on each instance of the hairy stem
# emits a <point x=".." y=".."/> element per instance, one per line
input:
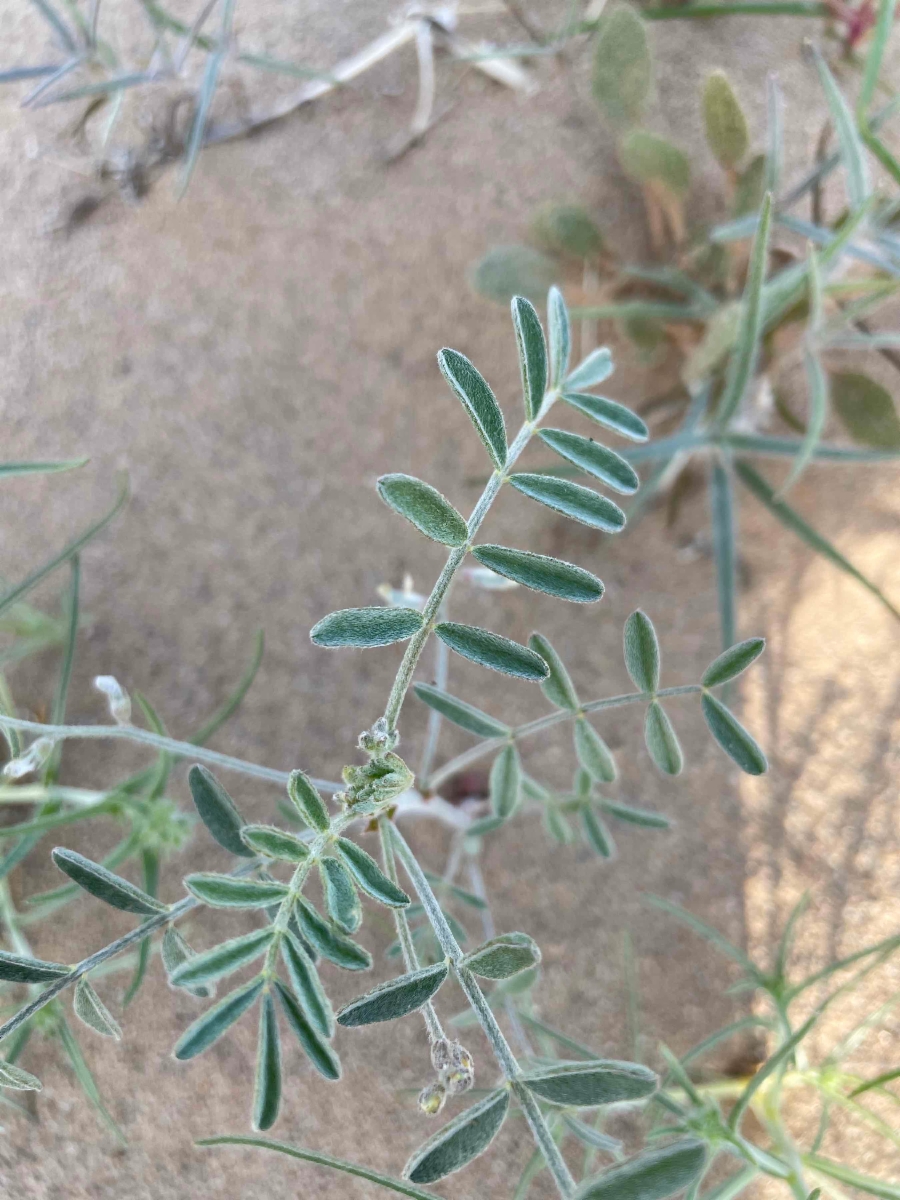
<point x="547" y="722"/>
<point x="543" y="1137"/>
<point x="452" y="565"/>
<point x="130" y="733"/>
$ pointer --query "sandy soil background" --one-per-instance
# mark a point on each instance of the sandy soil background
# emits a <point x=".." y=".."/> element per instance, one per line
<point x="255" y="356"/>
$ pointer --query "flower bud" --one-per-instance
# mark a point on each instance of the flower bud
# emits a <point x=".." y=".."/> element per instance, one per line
<point x="431" y="1099"/>
<point x="457" y="1080"/>
<point x="119" y="700"/>
<point x="32" y="760"/>
<point x="441" y="1054"/>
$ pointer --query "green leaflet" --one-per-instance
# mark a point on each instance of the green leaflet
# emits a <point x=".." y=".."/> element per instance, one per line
<point x="459" y="1141"/>
<point x="593" y="753"/>
<point x="853" y="151"/>
<point x="866" y="410"/>
<point x="222" y="959"/>
<point x="636" y="816"/>
<point x="557" y="825"/>
<point x="591" y="371"/>
<point x="542" y="573"/>
<point x="308" y="803"/>
<point x="8" y="469"/>
<point x="560" y="336"/>
<point x="491" y="650"/>
<point x="316" y="1049"/>
<point x="588" y="1084"/>
<point x="733" y="737"/>
<point x="742" y="361"/>
<point x="174" y="952"/>
<point x="365" y="627"/>
<point x="308" y="990"/>
<point x="662" y="741"/>
<point x="726" y="126"/>
<point x="532" y="354"/>
<point x="507" y="271"/>
<point x="369" y="876"/>
<point x="341" y="898"/>
<point x="217" y="1020"/>
<point x="423" y="505"/>
<point x="505" y="782"/>
<point x="275" y="843"/>
<point x="325" y="1160"/>
<point x="503" y="956"/>
<point x="605" y="412"/>
<point x="724" y="538"/>
<point x="622" y="67"/>
<point x="18" y="1080"/>
<point x="91" y="1010"/>
<point x="461" y="714"/>
<point x="596" y="834"/>
<point x="733" y="661"/>
<point x="652" y="1175"/>
<point x="217" y="811"/>
<point x="557" y="687"/>
<point x="395" y="998"/>
<point x="601" y="462"/>
<point x="329" y="942"/>
<point x="572" y="500"/>
<point x="569" y="230"/>
<point x="478" y="400"/>
<point x="16" y="969"/>
<point x="648" y="158"/>
<point x="106" y="886"/>
<point x="590" y="1136"/>
<point x="224" y="891"/>
<point x="642" y="652"/>
<point x="267" y="1086"/>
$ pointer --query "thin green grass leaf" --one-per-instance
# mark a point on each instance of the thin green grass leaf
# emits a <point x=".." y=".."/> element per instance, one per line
<point x="853" y="152"/>
<point x="742" y="362"/>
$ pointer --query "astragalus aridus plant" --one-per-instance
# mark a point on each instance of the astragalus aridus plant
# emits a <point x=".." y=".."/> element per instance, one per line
<point x="273" y="865"/>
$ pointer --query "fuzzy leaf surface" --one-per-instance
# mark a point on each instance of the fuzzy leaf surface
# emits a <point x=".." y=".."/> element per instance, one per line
<point x="459" y="1141"/>
<point x="377" y="625"/>
<point x="491" y="650"/>
<point x="424" y="506"/>
<point x="572" y="500"/>
<point x="395" y="998"/>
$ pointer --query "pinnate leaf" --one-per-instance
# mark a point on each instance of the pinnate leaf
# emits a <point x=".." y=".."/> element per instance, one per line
<point x="608" y="413"/>
<point x="479" y="401"/>
<point x="316" y="1048"/>
<point x="662" y="740"/>
<point x="217" y="811"/>
<point x="461" y="714"/>
<point x="222" y="959"/>
<point x="588" y="1084"/>
<point x="642" y="652"/>
<point x="505" y="782"/>
<point x="369" y="876"/>
<point x="395" y="998"/>
<point x="733" y="737"/>
<point x="542" y="573"/>
<point x="423" y="505"/>
<point x="106" y="886"/>
<point x="217" y="1020"/>
<point x="726" y="125"/>
<point x="490" y="650"/>
<point x="503" y="956"/>
<point x="532" y="354"/>
<point x="597" y="460"/>
<point x="733" y="661"/>
<point x="459" y="1141"/>
<point x="224" y="891"/>
<point x="572" y="500"/>
<point x="652" y="1175"/>
<point x="557" y="687"/>
<point x="377" y="625"/>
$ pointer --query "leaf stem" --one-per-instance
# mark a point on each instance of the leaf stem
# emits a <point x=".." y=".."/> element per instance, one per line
<point x="547" y="722"/>
<point x="543" y="1137"/>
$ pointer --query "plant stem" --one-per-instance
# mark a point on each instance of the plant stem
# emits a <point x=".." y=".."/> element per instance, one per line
<point x="547" y="722"/>
<point x="404" y="933"/>
<point x="130" y="733"/>
<point x="452" y="565"/>
<point x="562" y="1177"/>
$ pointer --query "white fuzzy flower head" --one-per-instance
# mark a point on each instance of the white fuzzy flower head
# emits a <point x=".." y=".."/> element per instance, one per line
<point x="32" y="760"/>
<point x="119" y="700"/>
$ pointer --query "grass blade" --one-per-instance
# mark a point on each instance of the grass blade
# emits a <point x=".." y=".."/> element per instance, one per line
<point x="231" y="705"/>
<point x="784" y="1051"/>
<point x="86" y="1080"/>
<point x="865" y="1183"/>
<point x="37" y="468"/>
<point x="21" y="589"/>
<point x="709" y="933"/>
<point x="325" y="1160"/>
<point x="742" y="363"/>
<point x="793" y="521"/>
<point x="56" y="23"/>
<point x="852" y="150"/>
<point x="721" y="496"/>
<point x="205" y="96"/>
<point x="816" y="379"/>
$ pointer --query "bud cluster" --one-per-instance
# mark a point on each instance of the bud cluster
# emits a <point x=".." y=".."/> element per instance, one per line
<point x="456" y="1074"/>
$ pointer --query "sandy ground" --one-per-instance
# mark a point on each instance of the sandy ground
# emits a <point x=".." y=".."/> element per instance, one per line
<point x="255" y="356"/>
